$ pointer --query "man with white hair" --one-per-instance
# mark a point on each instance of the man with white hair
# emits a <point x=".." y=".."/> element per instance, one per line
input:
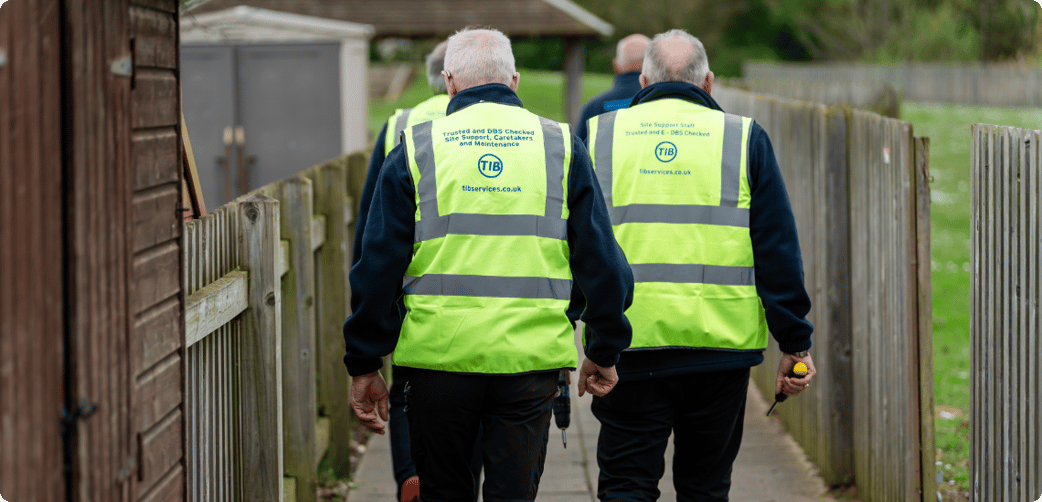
<point x="629" y="56"/>
<point x="483" y="219"/>
<point x="404" y="468"/>
<point x="699" y="207"/>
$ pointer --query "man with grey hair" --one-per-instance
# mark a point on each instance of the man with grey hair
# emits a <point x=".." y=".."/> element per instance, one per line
<point x="434" y="107"/>
<point x="483" y="219"/>
<point x="700" y="209"/>
<point x="629" y="56"/>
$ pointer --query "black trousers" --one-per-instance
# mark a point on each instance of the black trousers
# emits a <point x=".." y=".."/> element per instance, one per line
<point x="445" y="411"/>
<point x="704" y="411"/>
<point x="401" y="447"/>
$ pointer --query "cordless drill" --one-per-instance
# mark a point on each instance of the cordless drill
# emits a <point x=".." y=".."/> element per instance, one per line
<point x="799" y="370"/>
<point x="562" y="406"/>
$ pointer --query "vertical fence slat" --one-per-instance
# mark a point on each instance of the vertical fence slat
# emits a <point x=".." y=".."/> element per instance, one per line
<point x="859" y="283"/>
<point x="837" y="465"/>
<point x="333" y="259"/>
<point x="298" y="336"/>
<point x="261" y="383"/>
<point x="925" y="319"/>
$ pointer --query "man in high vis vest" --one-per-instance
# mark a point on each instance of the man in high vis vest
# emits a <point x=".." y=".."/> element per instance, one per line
<point x="483" y="219"/>
<point x="699" y="207"/>
<point x="629" y="55"/>
<point x="404" y="468"/>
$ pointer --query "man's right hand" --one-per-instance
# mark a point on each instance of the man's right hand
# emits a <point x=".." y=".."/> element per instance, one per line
<point x="599" y="380"/>
<point x="369" y="396"/>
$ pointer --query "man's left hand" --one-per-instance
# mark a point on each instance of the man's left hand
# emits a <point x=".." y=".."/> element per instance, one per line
<point x="369" y="396"/>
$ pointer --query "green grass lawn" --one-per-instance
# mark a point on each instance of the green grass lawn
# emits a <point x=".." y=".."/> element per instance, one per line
<point x="948" y="127"/>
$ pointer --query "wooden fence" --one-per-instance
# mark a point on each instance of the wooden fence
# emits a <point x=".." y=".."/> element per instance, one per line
<point x="879" y="98"/>
<point x="984" y="84"/>
<point x="857" y="183"/>
<point x="266" y="278"/>
<point x="1006" y="392"/>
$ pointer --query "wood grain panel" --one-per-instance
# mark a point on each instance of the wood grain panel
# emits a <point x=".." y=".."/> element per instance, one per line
<point x="155" y="38"/>
<point x="157" y="276"/>
<point x="171" y="487"/>
<point x="161" y="448"/>
<point x="1006" y="434"/>
<point x="155" y="99"/>
<point x="155" y="158"/>
<point x="156" y="335"/>
<point x="97" y="162"/>
<point x="31" y="301"/>
<point x="157" y="392"/>
<point x="155" y="218"/>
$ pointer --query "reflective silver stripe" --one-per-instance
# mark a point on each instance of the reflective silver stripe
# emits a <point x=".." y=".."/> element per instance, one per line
<point x="487" y="286"/>
<point x="732" y="160"/>
<point x="427" y="185"/>
<point x="703" y="274"/>
<point x="663" y="213"/>
<point x="602" y="153"/>
<point x="399" y="125"/>
<point x="553" y="145"/>
<point x="491" y="224"/>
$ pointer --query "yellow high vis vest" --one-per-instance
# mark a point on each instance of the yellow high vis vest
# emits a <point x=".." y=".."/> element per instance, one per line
<point x="675" y="179"/>
<point x="432" y="108"/>
<point x="489" y="281"/>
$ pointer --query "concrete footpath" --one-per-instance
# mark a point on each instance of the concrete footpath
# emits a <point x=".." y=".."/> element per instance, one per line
<point x="770" y="466"/>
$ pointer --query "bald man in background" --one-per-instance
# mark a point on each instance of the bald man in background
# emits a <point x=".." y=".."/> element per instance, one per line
<point x="701" y="212"/>
<point x="629" y="55"/>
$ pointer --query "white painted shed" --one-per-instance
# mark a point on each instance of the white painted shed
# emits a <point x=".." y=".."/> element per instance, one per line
<point x="267" y="94"/>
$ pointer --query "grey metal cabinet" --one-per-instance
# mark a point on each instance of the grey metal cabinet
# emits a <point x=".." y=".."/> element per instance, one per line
<point x="258" y="113"/>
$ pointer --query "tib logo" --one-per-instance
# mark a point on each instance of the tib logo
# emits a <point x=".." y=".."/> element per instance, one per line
<point x="665" y="151"/>
<point x="490" y="166"/>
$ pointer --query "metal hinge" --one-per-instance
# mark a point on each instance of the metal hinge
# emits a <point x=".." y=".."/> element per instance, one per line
<point x="69" y="418"/>
<point x="123" y="67"/>
<point x="3" y="58"/>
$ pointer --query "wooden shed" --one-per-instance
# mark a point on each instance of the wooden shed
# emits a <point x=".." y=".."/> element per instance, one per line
<point x="90" y="251"/>
<point x="421" y="19"/>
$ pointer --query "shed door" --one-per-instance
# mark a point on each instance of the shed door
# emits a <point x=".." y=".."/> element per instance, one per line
<point x="207" y="83"/>
<point x="284" y="98"/>
<point x="291" y="108"/>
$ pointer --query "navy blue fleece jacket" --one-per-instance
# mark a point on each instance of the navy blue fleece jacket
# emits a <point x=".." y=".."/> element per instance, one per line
<point x="776" y="252"/>
<point x="599" y="267"/>
<point x="622" y="91"/>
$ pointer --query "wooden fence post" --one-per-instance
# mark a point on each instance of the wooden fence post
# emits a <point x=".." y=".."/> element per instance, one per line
<point x="837" y="464"/>
<point x="298" y="336"/>
<point x="333" y="259"/>
<point x="261" y="351"/>
<point x="926" y="393"/>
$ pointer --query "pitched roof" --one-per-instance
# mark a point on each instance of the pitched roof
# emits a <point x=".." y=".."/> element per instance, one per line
<point x="439" y="18"/>
<point x="252" y="24"/>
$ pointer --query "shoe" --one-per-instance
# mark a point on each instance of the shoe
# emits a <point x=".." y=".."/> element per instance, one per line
<point x="410" y="491"/>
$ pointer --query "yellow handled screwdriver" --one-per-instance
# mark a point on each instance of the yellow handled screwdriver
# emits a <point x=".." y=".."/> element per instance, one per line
<point x="799" y="370"/>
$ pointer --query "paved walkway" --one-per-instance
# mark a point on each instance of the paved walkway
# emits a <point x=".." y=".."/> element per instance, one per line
<point x="770" y="466"/>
